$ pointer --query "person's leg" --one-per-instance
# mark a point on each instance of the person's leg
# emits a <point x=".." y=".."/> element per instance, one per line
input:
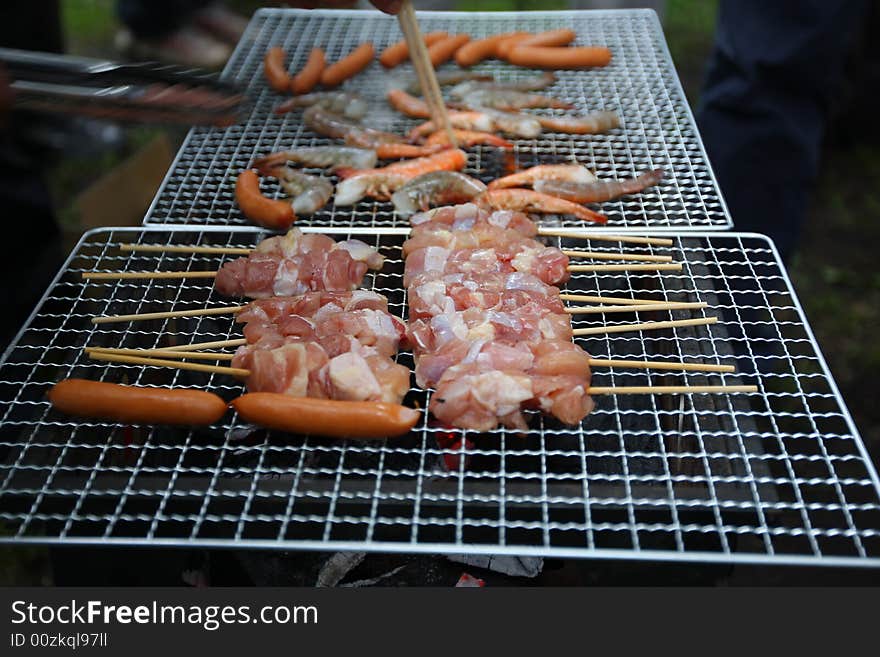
<point x="763" y="109"/>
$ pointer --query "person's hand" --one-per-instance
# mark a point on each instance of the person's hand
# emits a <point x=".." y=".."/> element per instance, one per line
<point x="388" y="6"/>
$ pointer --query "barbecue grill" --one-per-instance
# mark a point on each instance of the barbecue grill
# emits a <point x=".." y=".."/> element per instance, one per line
<point x="657" y="127"/>
<point x="781" y="475"/>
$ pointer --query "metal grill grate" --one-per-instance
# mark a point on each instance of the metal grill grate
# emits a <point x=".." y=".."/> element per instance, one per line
<point x="657" y="131"/>
<point x="781" y="475"/>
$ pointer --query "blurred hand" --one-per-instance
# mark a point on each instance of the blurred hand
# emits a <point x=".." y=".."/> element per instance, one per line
<point x="388" y="6"/>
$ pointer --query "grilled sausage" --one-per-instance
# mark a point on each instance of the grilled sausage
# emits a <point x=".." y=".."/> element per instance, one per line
<point x="310" y="74"/>
<point x="348" y="66"/>
<point x="559" y="58"/>
<point x="474" y="52"/>
<point x="136" y="405"/>
<point x="442" y="51"/>
<point x="266" y="212"/>
<point x="398" y="53"/>
<point x="326" y="417"/>
<point x="276" y="72"/>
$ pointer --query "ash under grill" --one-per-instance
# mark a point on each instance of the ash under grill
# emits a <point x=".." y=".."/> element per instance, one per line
<point x="657" y="128"/>
<point x="780" y="475"/>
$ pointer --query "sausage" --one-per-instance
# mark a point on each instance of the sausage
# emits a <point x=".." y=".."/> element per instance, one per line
<point x="548" y="38"/>
<point x="505" y="45"/>
<point x="474" y="52"/>
<point x="266" y="212"/>
<point x="310" y="74"/>
<point x="136" y="405"/>
<point x="276" y="72"/>
<point x="443" y="50"/>
<point x="560" y="58"/>
<point x="399" y="52"/>
<point x="348" y="66"/>
<point x="325" y="417"/>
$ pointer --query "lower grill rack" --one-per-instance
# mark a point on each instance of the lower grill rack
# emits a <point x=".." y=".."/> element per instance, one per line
<point x="778" y="476"/>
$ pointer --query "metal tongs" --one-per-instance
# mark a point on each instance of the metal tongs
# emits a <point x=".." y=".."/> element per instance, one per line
<point x="146" y="92"/>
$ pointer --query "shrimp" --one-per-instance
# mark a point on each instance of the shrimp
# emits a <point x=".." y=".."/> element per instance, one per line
<point x="498" y="97"/>
<point x="348" y="105"/>
<point x="570" y="173"/>
<point x="433" y="189"/>
<point x="580" y="125"/>
<point x="310" y="193"/>
<point x="333" y="125"/>
<point x="381" y="183"/>
<point x="484" y="121"/>
<point x="446" y="79"/>
<point x="397" y="151"/>
<point x="598" y="190"/>
<point x="467" y="138"/>
<point x="525" y="200"/>
<point x="533" y="83"/>
<point x="324" y="157"/>
<point x="408" y="105"/>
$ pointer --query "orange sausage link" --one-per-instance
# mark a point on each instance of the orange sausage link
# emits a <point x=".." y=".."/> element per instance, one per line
<point x="442" y="51"/>
<point x="276" y="72"/>
<point x="310" y="74"/>
<point x="348" y="66"/>
<point x="136" y="405"/>
<point x="325" y="417"/>
<point x="474" y="52"/>
<point x="560" y="58"/>
<point x="398" y="53"/>
<point x="547" y="39"/>
<point x="266" y="212"/>
<point x="506" y="45"/>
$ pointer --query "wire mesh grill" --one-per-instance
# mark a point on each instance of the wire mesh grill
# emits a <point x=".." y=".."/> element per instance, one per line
<point x="780" y="475"/>
<point x="641" y="84"/>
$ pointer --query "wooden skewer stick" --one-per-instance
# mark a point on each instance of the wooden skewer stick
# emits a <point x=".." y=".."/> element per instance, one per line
<point x="600" y="255"/>
<point x="657" y="390"/>
<point x="161" y="248"/>
<point x="157" y="362"/>
<point x="601" y="237"/>
<point x="216" y="344"/>
<point x="601" y="310"/>
<point x="167" y="353"/>
<point x="676" y="266"/>
<point x="646" y="326"/>
<point x="202" y="312"/>
<point x="587" y="298"/>
<point x="119" y="275"/>
<point x="418" y="53"/>
<point x="661" y="365"/>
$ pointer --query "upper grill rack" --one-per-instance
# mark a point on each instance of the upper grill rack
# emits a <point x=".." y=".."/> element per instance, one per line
<point x="658" y="129"/>
<point x="781" y="475"/>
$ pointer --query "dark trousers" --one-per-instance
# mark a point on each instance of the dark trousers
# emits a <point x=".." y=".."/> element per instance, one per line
<point x="774" y="73"/>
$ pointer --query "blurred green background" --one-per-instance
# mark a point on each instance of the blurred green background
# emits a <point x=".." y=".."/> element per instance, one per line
<point x="834" y="270"/>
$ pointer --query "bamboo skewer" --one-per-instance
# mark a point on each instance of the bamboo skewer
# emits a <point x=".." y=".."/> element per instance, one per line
<point x="418" y="53"/>
<point x="601" y="310"/>
<point x="657" y="390"/>
<point x="601" y="237"/>
<point x="202" y="312"/>
<point x="216" y="344"/>
<point x="167" y="353"/>
<point x="157" y="362"/>
<point x="599" y="255"/>
<point x="646" y="326"/>
<point x="160" y="248"/>
<point x="676" y="266"/>
<point x="661" y="365"/>
<point x="140" y="275"/>
<point x="588" y="298"/>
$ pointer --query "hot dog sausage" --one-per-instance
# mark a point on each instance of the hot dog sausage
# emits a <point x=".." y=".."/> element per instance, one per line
<point x="264" y="211"/>
<point x="548" y="38"/>
<point x="503" y="48"/>
<point x="352" y="64"/>
<point x="560" y="58"/>
<point x="398" y="53"/>
<point x="276" y="72"/>
<point x="442" y="51"/>
<point x="136" y="405"/>
<point x="474" y="52"/>
<point x="310" y="74"/>
<point x="325" y="417"/>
